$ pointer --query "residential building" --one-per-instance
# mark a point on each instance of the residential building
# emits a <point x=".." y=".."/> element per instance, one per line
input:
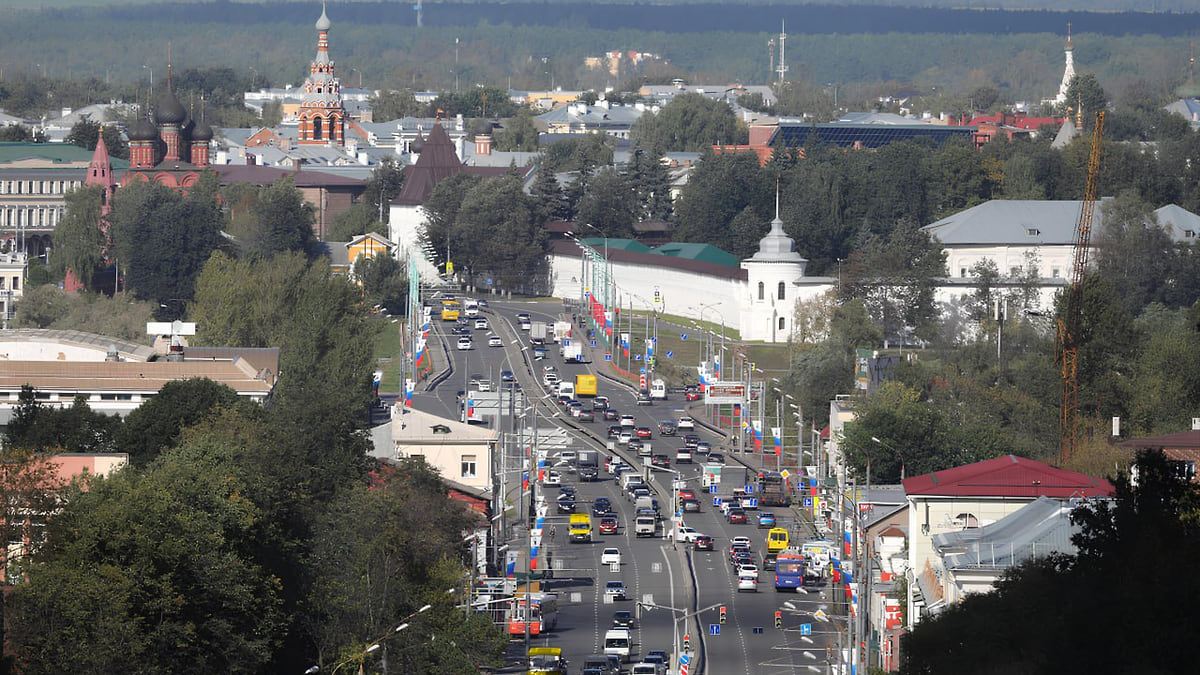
<point x="604" y="117"/>
<point x="1181" y="448"/>
<point x="973" y="496"/>
<point x="13" y="267"/>
<point x="462" y="453"/>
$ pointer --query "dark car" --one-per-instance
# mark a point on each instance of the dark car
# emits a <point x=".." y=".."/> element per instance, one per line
<point x="566" y="504"/>
<point x="661" y="461"/>
<point x="666" y="428"/>
<point x="589" y="474"/>
<point x="634" y="444"/>
<point x="586" y="416"/>
<point x="611" y="414"/>
<point x="601" y="506"/>
<point x="643" y="398"/>
<point x="691" y="441"/>
<point x="609" y="525"/>
<point x="716" y="458"/>
<point x="736" y="517"/>
<point x="740" y="559"/>
<point x="703" y="542"/>
<point x="622" y="618"/>
<point x="614" y="430"/>
<point x="600" y="403"/>
<point x="768" y="562"/>
<point x="690" y="505"/>
<point x="506" y="376"/>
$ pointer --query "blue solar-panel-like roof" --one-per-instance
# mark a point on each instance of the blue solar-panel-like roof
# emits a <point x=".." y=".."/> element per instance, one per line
<point x="865" y="135"/>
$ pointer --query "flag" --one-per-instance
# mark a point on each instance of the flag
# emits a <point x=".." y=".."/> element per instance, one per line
<point x="737" y="410"/>
<point x="409" y="386"/>
<point x="777" y="433"/>
<point x="717" y="367"/>
<point x="758" y="439"/>
<point x="510" y="565"/>
<point x="524" y="480"/>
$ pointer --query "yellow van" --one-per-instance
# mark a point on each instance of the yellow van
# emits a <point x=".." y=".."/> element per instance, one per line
<point x="777" y="539"/>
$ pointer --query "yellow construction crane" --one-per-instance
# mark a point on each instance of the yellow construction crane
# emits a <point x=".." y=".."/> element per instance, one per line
<point x="1065" y="354"/>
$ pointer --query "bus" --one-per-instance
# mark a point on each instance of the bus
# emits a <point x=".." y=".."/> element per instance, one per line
<point x="777" y="539"/>
<point x="543" y="614"/>
<point x="773" y="489"/>
<point x="546" y="661"/>
<point x="789" y="570"/>
<point x="451" y="310"/>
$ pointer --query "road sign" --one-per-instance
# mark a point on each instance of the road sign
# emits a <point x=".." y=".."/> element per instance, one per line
<point x="594" y="343"/>
<point x="749" y="488"/>
<point x="808" y="502"/>
<point x="712" y="489"/>
<point x="670" y="354"/>
<point x="724" y="392"/>
<point x="489" y="282"/>
<point x="683" y="336"/>
<point x="806" y="629"/>
<point x="714" y="629"/>
<point x="716" y="500"/>
<point x="684" y="661"/>
<point x="608" y="356"/>
<point x="566" y="342"/>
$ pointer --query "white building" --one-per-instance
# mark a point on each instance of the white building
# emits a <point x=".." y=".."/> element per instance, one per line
<point x="461" y="453"/>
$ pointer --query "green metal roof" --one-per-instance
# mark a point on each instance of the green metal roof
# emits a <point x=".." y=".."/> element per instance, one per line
<point x="613" y="244"/>
<point x="700" y="252"/>
<point x="51" y="153"/>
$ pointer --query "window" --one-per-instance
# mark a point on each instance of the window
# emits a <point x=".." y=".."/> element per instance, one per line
<point x="16" y="284"/>
<point x="781" y="323"/>
<point x="1014" y="272"/>
<point x="1056" y="273"/>
<point x="468" y="466"/>
<point x="318" y="131"/>
<point x="782" y="290"/>
<point x="962" y="271"/>
<point x="1032" y="231"/>
<point x="761" y="290"/>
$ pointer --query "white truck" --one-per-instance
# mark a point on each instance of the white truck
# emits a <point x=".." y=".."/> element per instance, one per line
<point x="658" y="390"/>
<point x="572" y="352"/>
<point x="644" y="526"/>
<point x="562" y="330"/>
<point x="538" y="330"/>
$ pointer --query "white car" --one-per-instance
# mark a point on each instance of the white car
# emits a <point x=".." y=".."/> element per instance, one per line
<point x="740" y="540"/>
<point x="464" y="343"/>
<point x="481" y="324"/>
<point x="481" y="385"/>
<point x="746" y="582"/>
<point x="747" y="570"/>
<point x="552" y="479"/>
<point x="687" y="534"/>
<point x="628" y="421"/>
<point x="495" y="341"/>
<point x="550" y="380"/>
<point x="610" y="556"/>
<point x="685" y="423"/>
<point x="568" y="455"/>
<point x="624" y="438"/>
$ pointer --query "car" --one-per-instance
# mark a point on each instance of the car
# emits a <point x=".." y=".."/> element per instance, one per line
<point x="526" y="326"/>
<point x="661" y="461"/>
<point x="702" y="447"/>
<point x="639" y="492"/>
<point x="609" y="525"/>
<point x="623" y="618"/>
<point x="703" y="543"/>
<point x="611" y="415"/>
<point x="507" y="376"/>
<point x="691" y="441"/>
<point x="716" y="458"/>
<point x="550" y="379"/>
<point x="686" y="534"/>
<point x="692" y="396"/>
<point x="768" y="561"/>
<point x="766" y="519"/>
<point x="667" y="428"/>
<point x="600" y="403"/>
<point x="736" y="517"/>
<point x="461" y="321"/>
<point x="690" y="505"/>
<point x="686" y="494"/>
<point x="634" y="445"/>
<point x="747" y="568"/>
<point x="464" y="343"/>
<point x="610" y="556"/>
<point x="628" y="421"/>
<point x="643" y="432"/>
<point x="585" y="416"/>
<point x="588" y="474"/>
<point x="658" y="657"/>
<point x="537" y="342"/>
<point x="643" y="398"/>
<point x="738" y="545"/>
<point x="644" y="668"/>
<point x="480" y="383"/>
<point x="685" y="423"/>
<point x="574" y="408"/>
<point x="568" y="455"/>
<point x="742" y="559"/>
<point x="614" y="430"/>
<point x="744" y="541"/>
<point x="615" y="590"/>
<point x="522" y="316"/>
<point x="601" y="506"/>
<point x="624" y="438"/>
<point x="566" y="504"/>
<point x="540" y="353"/>
<point x="747" y="582"/>
<point x="683" y="456"/>
<point x="552" y="479"/>
<point x="495" y="341"/>
<point x="481" y="324"/>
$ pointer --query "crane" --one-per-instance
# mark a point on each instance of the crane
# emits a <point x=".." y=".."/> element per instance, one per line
<point x="1068" y="325"/>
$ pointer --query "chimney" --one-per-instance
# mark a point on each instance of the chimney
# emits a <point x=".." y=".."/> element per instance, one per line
<point x="483" y="144"/>
<point x="296" y="162"/>
<point x="251" y="159"/>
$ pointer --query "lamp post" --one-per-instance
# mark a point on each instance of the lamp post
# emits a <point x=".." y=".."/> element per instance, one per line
<point x="683" y="615"/>
<point x="375" y="644"/>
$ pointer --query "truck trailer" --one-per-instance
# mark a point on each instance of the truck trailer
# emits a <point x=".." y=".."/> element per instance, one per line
<point x="585" y="385"/>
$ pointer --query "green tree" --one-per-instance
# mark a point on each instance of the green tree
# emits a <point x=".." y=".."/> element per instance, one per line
<point x="358" y="219"/>
<point x="581" y="152"/>
<point x="440" y="235"/>
<point x="162" y="238"/>
<point x="156" y="425"/>
<point x="385" y="281"/>
<point x="1086" y="97"/>
<point x="518" y="133"/>
<point x="895" y="278"/>
<point x="689" y="123"/>
<point x="387" y="179"/>
<point x="652" y="184"/>
<point x="390" y="104"/>
<point x="71" y="429"/>
<point x="1130" y="249"/>
<point x="551" y="201"/>
<point x="610" y="204"/>
<point x="280" y="221"/>
<point x="498" y="232"/>
<point x="79" y="238"/>
<point x="720" y="188"/>
<point x="119" y="317"/>
<point x="15" y="133"/>
<point x="84" y="133"/>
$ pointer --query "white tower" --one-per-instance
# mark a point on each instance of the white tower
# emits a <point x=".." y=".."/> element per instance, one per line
<point x="782" y="68"/>
<point x="767" y="313"/>
<point x="1068" y="72"/>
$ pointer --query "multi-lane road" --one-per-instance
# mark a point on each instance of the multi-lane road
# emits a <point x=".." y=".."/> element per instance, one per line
<point x="689" y="587"/>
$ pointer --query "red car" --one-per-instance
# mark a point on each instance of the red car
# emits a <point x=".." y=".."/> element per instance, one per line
<point x="737" y="517"/>
<point x="644" y="432"/>
<point x="693" y="396"/>
<point x="703" y="543"/>
<point x="609" y="525"/>
<point x="687" y="494"/>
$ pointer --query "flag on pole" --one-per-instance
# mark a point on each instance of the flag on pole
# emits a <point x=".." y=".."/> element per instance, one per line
<point x="777" y="433"/>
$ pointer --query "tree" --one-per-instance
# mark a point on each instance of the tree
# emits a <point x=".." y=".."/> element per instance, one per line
<point x="895" y="278"/>
<point x="157" y="424"/>
<point x="1086" y="97"/>
<point x="278" y="220"/>
<point x="1131" y="247"/>
<point x="162" y="238"/>
<point x="987" y="276"/>
<point x="610" y="204"/>
<point x="498" y="232"/>
<point x="79" y="238"/>
<point x="652" y="184"/>
<point x="385" y="281"/>
<point x="551" y="201"/>
<point x="84" y="133"/>
<point x="518" y="133"/>
<point x="76" y="428"/>
<point x="387" y="179"/>
<point x="15" y="133"/>
<point x="719" y="188"/>
<point x="392" y="105"/>
<point x="116" y="316"/>
<point x="360" y="218"/>
<point x="439" y="234"/>
<point x="689" y="123"/>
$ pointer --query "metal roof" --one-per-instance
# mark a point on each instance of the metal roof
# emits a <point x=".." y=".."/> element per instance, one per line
<point x="1038" y="529"/>
<point x="1007" y="476"/>
<point x="1004" y="222"/>
<point x="869" y="135"/>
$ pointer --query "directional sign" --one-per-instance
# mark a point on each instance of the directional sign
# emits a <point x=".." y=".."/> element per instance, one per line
<point x="594" y="343"/>
<point x="808" y="502"/>
<point x="566" y="342"/>
<point x="638" y="357"/>
<point x="714" y="629"/>
<point x="683" y="336"/>
<point x="608" y="356"/>
<point x="670" y="354"/>
<point x="749" y="488"/>
<point x="716" y="500"/>
<point x="712" y="489"/>
<point x="806" y="629"/>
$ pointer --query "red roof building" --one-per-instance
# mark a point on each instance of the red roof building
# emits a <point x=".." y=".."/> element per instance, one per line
<point x="1007" y="477"/>
<point x="1183" y="448"/>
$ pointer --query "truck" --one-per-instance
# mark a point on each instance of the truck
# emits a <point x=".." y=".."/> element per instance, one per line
<point x="580" y="528"/>
<point x="658" y="389"/>
<point x="585" y="385"/>
<point x="566" y="390"/>
<point x="587" y="458"/>
<point x="572" y="352"/>
<point x="538" y="330"/>
<point x="562" y="330"/>
<point x="773" y="489"/>
<point x="644" y="526"/>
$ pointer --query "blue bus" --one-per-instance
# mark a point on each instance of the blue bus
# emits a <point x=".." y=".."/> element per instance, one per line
<point x="789" y="570"/>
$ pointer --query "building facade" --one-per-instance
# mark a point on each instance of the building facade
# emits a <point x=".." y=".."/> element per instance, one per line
<point x="322" y="116"/>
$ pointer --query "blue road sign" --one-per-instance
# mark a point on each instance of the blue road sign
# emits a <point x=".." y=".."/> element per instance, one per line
<point x="749" y="488"/>
<point x="594" y="343"/>
<point x="712" y="489"/>
<point x="683" y="336"/>
<point x="638" y="357"/>
<point x="566" y="342"/>
<point x="685" y="659"/>
<point x="714" y="629"/>
<point x="716" y="500"/>
<point x="489" y="282"/>
<point x="806" y="629"/>
<point x="670" y="354"/>
<point x="608" y="357"/>
<point x="808" y="502"/>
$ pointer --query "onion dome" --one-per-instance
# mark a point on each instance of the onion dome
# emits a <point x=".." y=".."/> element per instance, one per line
<point x="323" y="23"/>
<point x="169" y="110"/>
<point x="142" y="130"/>
<point x="482" y="128"/>
<point x="202" y="132"/>
<point x="418" y="144"/>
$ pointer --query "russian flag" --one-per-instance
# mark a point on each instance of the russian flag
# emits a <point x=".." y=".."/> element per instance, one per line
<point x="737" y="410"/>
<point x="470" y="407"/>
<point x="409" y="386"/>
<point x="777" y="433"/>
<point x="525" y="480"/>
<point x="717" y="367"/>
<point x="758" y="439"/>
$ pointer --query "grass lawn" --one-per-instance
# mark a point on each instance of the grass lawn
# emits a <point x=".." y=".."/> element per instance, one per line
<point x="388" y="356"/>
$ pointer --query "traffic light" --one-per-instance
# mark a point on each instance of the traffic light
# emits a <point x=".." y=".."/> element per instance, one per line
<point x="722" y="614"/>
<point x="687" y="642"/>
<point x="779" y="620"/>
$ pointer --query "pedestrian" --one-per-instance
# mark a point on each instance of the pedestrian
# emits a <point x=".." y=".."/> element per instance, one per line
<point x="553" y="531"/>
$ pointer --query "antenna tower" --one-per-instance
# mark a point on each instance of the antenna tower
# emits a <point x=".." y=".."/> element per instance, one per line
<point x="782" y="68"/>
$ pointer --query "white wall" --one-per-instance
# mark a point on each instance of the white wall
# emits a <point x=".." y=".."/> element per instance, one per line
<point x="403" y="227"/>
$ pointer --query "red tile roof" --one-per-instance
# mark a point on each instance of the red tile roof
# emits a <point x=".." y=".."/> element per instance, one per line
<point x="1184" y="440"/>
<point x="1007" y="476"/>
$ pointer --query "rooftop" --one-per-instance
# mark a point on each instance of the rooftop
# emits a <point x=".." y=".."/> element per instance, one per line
<point x="1007" y="476"/>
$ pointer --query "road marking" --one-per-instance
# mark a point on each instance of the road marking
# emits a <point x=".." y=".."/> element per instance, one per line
<point x="657" y="567"/>
<point x="576" y="597"/>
